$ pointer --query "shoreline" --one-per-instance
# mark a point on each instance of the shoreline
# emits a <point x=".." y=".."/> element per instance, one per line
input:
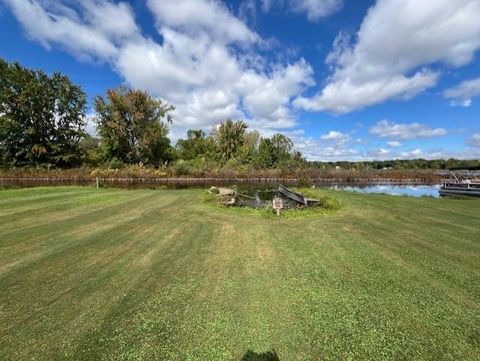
<point x="208" y="181"/>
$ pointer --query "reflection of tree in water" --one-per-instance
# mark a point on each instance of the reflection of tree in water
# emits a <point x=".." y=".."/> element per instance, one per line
<point x="261" y="356"/>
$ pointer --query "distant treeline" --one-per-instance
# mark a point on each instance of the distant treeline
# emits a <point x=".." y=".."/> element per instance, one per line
<point x="43" y="121"/>
<point x="445" y="164"/>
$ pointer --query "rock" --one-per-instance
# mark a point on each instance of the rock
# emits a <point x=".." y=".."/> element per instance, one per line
<point x="230" y="202"/>
<point x="213" y="190"/>
<point x="226" y="192"/>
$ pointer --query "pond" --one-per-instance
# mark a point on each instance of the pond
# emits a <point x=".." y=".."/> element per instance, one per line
<point x="393" y="189"/>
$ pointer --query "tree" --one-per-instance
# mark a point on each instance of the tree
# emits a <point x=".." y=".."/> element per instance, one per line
<point x="282" y="148"/>
<point x="42" y="118"/>
<point x="196" y="145"/>
<point x="276" y="151"/>
<point x="90" y="149"/>
<point x="249" y="149"/>
<point x="265" y="154"/>
<point x="229" y="137"/>
<point x="133" y="127"/>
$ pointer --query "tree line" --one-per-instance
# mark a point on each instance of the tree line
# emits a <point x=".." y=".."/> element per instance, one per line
<point x="43" y="122"/>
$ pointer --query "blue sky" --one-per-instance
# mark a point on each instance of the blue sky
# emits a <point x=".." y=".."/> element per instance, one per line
<point x="344" y="79"/>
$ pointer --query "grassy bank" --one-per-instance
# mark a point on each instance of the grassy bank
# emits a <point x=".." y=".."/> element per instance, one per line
<point x="160" y="274"/>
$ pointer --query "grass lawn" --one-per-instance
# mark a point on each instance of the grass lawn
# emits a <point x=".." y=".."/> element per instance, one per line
<point x="161" y="275"/>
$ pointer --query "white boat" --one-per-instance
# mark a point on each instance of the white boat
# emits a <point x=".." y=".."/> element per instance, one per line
<point x="465" y="187"/>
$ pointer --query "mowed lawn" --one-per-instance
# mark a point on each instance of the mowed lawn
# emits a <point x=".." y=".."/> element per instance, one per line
<point x="114" y="274"/>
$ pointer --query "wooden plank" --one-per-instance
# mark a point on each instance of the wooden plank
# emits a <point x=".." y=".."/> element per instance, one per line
<point x="297" y="197"/>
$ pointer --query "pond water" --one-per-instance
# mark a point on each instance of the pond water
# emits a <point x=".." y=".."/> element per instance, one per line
<point x="393" y="189"/>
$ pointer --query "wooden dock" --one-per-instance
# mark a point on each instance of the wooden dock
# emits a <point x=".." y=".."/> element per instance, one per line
<point x="297" y="197"/>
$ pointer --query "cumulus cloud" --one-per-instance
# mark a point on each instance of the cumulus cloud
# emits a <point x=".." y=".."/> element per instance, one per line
<point x="208" y="16"/>
<point x="394" y="144"/>
<point x="314" y="9"/>
<point x="92" y="29"/>
<point x="389" y="56"/>
<point x="388" y="129"/>
<point x="378" y="153"/>
<point x="91" y="125"/>
<point x="474" y="141"/>
<point x="312" y="150"/>
<point x="207" y="63"/>
<point x="463" y="93"/>
<point x="329" y="150"/>
<point x="338" y="138"/>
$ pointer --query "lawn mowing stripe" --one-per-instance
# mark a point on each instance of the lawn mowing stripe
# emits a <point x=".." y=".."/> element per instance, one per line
<point x="32" y="201"/>
<point x="337" y="267"/>
<point x="181" y="280"/>
<point x="65" y="208"/>
<point x="146" y="307"/>
<point x="42" y="213"/>
<point x="82" y="225"/>
<point x="116" y="260"/>
<point x="39" y="239"/>
<point x="390" y="241"/>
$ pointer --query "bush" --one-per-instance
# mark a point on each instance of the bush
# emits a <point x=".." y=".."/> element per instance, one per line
<point x="182" y="168"/>
<point x="114" y="163"/>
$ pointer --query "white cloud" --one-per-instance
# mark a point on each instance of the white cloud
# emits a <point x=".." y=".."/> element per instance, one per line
<point x="208" y="16"/>
<point x="414" y="153"/>
<point x="314" y="9"/>
<point x="353" y="151"/>
<point x="345" y="95"/>
<point x="396" y="42"/>
<point x="394" y="144"/>
<point x="314" y="151"/>
<point x="378" y="153"/>
<point x="463" y="93"/>
<point x="336" y="137"/>
<point x="474" y="141"/>
<point x="387" y="129"/>
<point x="461" y="103"/>
<point x="93" y="29"/>
<point x="91" y="125"/>
<point x="207" y="64"/>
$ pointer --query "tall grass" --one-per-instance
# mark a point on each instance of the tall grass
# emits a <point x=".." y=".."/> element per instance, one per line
<point x="305" y="176"/>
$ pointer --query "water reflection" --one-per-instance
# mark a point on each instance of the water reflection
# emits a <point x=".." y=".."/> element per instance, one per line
<point x="394" y="190"/>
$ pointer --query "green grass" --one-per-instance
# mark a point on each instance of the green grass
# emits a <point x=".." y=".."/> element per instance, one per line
<point x="162" y="275"/>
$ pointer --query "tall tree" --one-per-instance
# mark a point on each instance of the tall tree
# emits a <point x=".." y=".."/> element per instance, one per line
<point x="229" y="137"/>
<point x="276" y="151"/>
<point x="265" y="158"/>
<point x="282" y="149"/>
<point x="196" y="145"/>
<point x="133" y="126"/>
<point x="42" y="118"/>
<point x="249" y="149"/>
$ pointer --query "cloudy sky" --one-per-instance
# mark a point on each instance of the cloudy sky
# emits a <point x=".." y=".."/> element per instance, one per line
<point x="345" y="79"/>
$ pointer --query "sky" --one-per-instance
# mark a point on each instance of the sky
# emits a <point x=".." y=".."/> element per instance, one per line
<point x="344" y="79"/>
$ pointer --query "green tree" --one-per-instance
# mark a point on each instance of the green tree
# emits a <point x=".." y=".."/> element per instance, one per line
<point x="133" y="127"/>
<point x="90" y="148"/>
<point x="249" y="150"/>
<point x="265" y="153"/>
<point x="282" y="148"/>
<point x="277" y="151"/>
<point x="195" y="146"/>
<point x="42" y="118"/>
<point x="229" y="137"/>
